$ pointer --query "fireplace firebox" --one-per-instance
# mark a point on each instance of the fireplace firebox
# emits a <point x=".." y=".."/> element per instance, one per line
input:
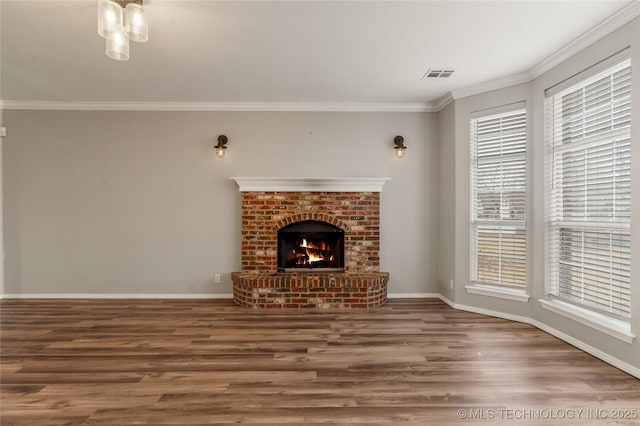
<point x="310" y="245"/>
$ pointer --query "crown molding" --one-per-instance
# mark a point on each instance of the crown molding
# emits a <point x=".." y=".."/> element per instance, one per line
<point x="443" y="101"/>
<point x="221" y="106"/>
<point x="615" y="21"/>
<point x="487" y="86"/>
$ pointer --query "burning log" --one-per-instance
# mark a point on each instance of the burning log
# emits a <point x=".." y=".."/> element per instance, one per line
<point x="323" y="254"/>
<point x="311" y="254"/>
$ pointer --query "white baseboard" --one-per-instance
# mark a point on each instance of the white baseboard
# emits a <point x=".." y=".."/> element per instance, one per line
<point x="627" y="368"/>
<point x="446" y="300"/>
<point x="413" y="295"/>
<point x="116" y="296"/>
<point x="171" y="296"/>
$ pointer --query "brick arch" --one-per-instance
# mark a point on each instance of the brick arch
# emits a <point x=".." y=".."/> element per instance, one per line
<point x="323" y="217"/>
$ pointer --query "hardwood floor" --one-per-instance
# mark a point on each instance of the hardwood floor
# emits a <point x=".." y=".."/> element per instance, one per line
<point x="197" y="362"/>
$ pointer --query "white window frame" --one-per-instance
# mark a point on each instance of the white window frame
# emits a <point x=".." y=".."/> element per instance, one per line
<point x="492" y="289"/>
<point x="614" y="326"/>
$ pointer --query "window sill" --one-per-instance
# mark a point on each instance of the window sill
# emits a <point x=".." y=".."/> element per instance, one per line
<point x="621" y="330"/>
<point x="501" y="293"/>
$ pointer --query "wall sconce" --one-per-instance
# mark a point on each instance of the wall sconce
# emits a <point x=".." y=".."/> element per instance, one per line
<point x="400" y="147"/>
<point x="221" y="147"/>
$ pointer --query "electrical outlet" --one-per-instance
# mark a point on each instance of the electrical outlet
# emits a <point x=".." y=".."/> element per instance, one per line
<point x="217" y="279"/>
<point x="451" y="283"/>
<point x="3" y="131"/>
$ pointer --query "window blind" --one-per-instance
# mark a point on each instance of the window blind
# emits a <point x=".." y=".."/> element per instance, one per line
<point x="589" y="193"/>
<point x="498" y="199"/>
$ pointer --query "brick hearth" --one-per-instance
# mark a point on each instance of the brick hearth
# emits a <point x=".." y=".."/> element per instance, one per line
<point x="310" y="290"/>
<point x="264" y="212"/>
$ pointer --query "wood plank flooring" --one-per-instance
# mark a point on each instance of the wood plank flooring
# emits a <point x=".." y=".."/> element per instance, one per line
<point x="203" y="362"/>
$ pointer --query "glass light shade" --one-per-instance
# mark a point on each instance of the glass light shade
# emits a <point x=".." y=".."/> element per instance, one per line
<point x="137" y="26"/>
<point x="110" y="18"/>
<point x="118" y="47"/>
<point x="400" y="151"/>
<point x="220" y="151"/>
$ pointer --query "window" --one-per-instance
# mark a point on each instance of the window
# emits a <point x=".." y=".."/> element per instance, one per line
<point x="588" y="167"/>
<point x="498" y="198"/>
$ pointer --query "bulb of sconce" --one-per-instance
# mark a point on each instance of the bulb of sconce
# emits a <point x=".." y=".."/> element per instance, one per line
<point x="400" y="152"/>
<point x="220" y="152"/>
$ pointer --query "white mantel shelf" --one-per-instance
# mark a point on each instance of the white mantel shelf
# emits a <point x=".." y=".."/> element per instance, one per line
<point x="309" y="184"/>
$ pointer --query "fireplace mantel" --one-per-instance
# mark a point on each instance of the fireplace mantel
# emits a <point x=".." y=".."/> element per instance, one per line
<point x="309" y="184"/>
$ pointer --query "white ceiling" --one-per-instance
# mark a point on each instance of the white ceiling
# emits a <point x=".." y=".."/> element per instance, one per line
<point x="338" y="52"/>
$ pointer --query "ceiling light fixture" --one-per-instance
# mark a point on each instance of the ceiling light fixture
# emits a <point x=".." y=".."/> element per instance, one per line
<point x="120" y="21"/>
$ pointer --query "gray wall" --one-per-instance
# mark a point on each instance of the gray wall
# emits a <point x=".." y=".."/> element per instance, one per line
<point x="1" y="211"/>
<point x="533" y="94"/>
<point x="136" y="202"/>
<point x="1" y="185"/>
<point x="1" y="208"/>
<point x="446" y="200"/>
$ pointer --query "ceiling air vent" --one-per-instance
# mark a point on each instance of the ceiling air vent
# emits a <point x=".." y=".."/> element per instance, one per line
<point x="438" y="73"/>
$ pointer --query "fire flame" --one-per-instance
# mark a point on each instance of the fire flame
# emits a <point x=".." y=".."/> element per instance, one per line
<point x="320" y="246"/>
<point x="312" y="252"/>
<point x="313" y="257"/>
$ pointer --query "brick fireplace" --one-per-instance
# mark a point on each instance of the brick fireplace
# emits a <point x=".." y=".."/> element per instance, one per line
<point x="351" y="205"/>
